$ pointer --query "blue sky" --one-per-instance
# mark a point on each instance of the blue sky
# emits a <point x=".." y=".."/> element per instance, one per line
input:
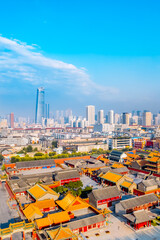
<point x="105" y="53"/>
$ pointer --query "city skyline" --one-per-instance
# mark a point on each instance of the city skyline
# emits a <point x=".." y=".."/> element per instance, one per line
<point x="108" y="56"/>
<point x="40" y="105"/>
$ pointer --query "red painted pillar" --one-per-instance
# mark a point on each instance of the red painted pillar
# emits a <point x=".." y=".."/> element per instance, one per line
<point x="34" y="235"/>
<point x="23" y="235"/>
<point x="11" y="237"/>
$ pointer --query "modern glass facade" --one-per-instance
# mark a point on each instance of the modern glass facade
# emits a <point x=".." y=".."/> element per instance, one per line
<point x="40" y="105"/>
<point x="47" y="115"/>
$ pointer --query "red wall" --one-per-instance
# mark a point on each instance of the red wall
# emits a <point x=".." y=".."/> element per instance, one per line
<point x="103" y="201"/>
<point x="69" y="180"/>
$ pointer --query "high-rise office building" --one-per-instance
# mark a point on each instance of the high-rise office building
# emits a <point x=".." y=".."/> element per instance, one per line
<point x="101" y="116"/>
<point x="139" y="113"/>
<point x="68" y="113"/>
<point x="147" y="118"/>
<point x="111" y="117"/>
<point x="47" y="115"/>
<point x="125" y="118"/>
<point x="57" y="115"/>
<point x="12" y="120"/>
<point x="40" y="105"/>
<point x="116" y="118"/>
<point x="90" y="114"/>
<point x="133" y="113"/>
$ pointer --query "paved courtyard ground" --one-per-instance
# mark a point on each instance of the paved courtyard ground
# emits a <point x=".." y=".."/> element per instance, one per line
<point x="87" y="181"/>
<point x="118" y="230"/>
<point x="19" y="236"/>
<point x="8" y="213"/>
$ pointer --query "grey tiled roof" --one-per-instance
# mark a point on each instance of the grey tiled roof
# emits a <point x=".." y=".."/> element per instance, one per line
<point x="103" y="170"/>
<point x="86" y="221"/>
<point x="117" y="153"/>
<point x="66" y="174"/>
<point x="105" y="193"/>
<point x="149" y="183"/>
<point x="36" y="163"/>
<point x="138" y="216"/>
<point x="138" y="201"/>
<point x="119" y="170"/>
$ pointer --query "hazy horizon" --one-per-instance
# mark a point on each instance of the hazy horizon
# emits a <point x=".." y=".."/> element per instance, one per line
<point x="83" y="53"/>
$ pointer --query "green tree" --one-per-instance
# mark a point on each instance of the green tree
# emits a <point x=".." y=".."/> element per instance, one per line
<point x="20" y="152"/>
<point x="52" y="154"/>
<point x="15" y="159"/>
<point x="74" y="151"/>
<point x="54" y="144"/>
<point x="79" y="191"/>
<point x="142" y="156"/>
<point x="3" y="167"/>
<point x="38" y="154"/>
<point x="1" y="157"/>
<point x="29" y="148"/>
<point x="65" y="152"/>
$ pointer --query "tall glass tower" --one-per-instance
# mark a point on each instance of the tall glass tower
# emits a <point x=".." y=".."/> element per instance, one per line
<point x="40" y="105"/>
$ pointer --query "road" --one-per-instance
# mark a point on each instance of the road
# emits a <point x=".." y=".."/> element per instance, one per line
<point x="7" y="214"/>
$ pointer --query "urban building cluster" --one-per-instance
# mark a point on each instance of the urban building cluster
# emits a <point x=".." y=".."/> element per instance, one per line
<point x="81" y="197"/>
<point x="102" y="122"/>
<point x="65" y="177"/>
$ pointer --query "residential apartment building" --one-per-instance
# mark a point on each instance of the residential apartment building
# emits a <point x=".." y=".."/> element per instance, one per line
<point x="120" y="142"/>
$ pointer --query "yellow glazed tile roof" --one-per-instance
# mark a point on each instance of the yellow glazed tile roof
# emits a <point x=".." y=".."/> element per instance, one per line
<point x="40" y="190"/>
<point x="45" y="203"/>
<point x="117" y="165"/>
<point x="126" y="184"/>
<point x="66" y="201"/>
<point x="132" y="155"/>
<point x="43" y="222"/>
<point x="113" y="177"/>
<point x="127" y="163"/>
<point x="71" y="203"/>
<point x="59" y="217"/>
<point x="31" y="210"/>
<point x="61" y="233"/>
<point x="51" y="219"/>
<point x="153" y="159"/>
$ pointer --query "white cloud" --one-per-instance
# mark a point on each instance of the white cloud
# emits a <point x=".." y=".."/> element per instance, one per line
<point x="19" y="61"/>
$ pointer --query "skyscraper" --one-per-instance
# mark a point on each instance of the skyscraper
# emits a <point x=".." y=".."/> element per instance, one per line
<point x="147" y="118"/>
<point x="116" y="118"/>
<point x="101" y="116"/>
<point x="12" y="120"/>
<point x="47" y="115"/>
<point x="40" y="105"/>
<point x="90" y="114"/>
<point x="125" y="118"/>
<point x="111" y="117"/>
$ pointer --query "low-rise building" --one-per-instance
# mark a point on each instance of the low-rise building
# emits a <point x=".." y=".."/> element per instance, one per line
<point x="88" y="223"/>
<point x="112" y="179"/>
<point x="41" y="192"/>
<point x="104" y="197"/>
<point x="66" y="176"/>
<point x="117" y="156"/>
<point x="128" y="186"/>
<point x="146" y="187"/>
<point x="136" y="203"/>
<point x="138" y="219"/>
<point x="153" y="163"/>
<point x="27" y="165"/>
<point x="61" y="233"/>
